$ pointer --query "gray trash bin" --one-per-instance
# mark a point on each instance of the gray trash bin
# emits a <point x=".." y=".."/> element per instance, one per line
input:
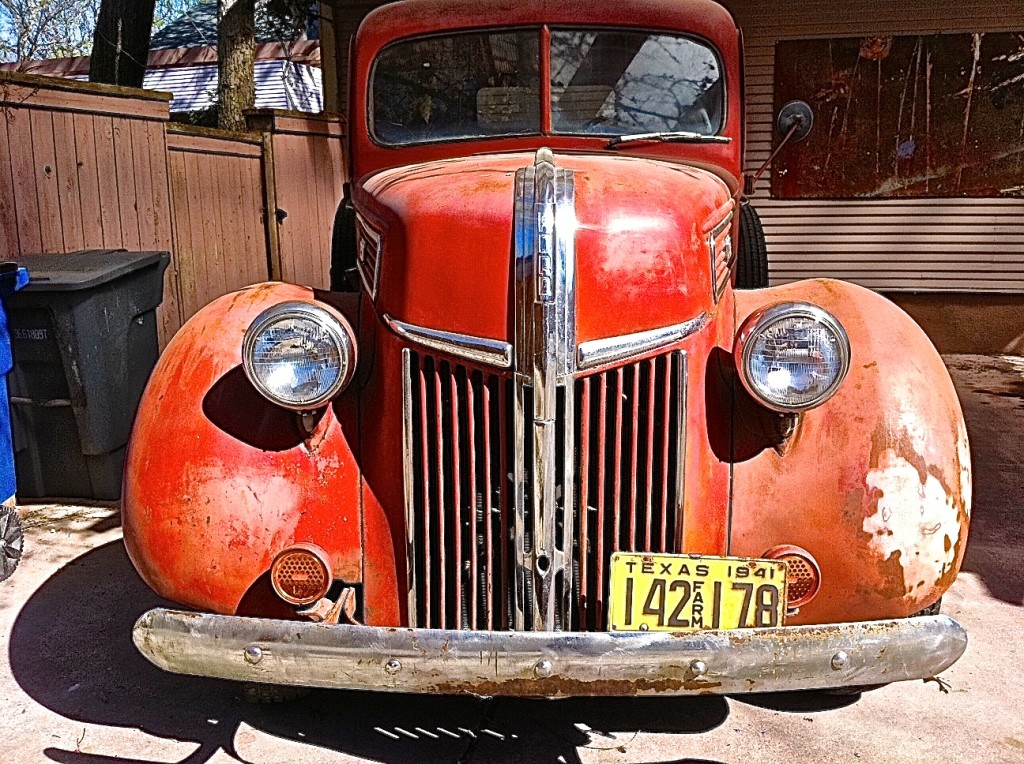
<point x="85" y="341"/>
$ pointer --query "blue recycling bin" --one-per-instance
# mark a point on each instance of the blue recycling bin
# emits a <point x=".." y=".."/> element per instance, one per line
<point x="12" y="537"/>
<point x="12" y="278"/>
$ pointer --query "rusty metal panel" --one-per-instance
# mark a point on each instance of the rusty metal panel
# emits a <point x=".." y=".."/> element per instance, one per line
<point x="913" y="115"/>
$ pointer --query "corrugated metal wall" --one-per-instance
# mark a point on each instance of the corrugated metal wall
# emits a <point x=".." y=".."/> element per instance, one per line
<point x="955" y="245"/>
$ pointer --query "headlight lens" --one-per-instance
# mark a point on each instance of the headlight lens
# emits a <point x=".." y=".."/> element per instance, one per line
<point x="299" y="355"/>
<point x="793" y="356"/>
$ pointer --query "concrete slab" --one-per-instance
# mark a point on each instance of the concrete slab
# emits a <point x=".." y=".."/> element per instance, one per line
<point x="73" y="689"/>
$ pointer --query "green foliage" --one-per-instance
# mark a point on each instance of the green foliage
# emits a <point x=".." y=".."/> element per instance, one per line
<point x="40" y="29"/>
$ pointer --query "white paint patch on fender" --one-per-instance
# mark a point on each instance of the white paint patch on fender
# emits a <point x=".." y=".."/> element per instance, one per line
<point x="918" y="520"/>
<point x="963" y="451"/>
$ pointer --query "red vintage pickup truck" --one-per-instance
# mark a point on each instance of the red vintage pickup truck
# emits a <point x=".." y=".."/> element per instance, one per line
<point x="550" y="433"/>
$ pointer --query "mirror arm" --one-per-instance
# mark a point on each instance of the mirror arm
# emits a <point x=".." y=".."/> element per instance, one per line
<point x="750" y="182"/>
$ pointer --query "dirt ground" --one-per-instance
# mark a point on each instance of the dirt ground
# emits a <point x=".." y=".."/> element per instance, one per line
<point x="73" y="689"/>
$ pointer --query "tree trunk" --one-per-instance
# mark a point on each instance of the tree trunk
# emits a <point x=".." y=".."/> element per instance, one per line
<point x="236" y="58"/>
<point x="120" y="44"/>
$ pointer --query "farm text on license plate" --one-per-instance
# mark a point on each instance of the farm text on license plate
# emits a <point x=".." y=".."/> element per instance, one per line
<point x="666" y="592"/>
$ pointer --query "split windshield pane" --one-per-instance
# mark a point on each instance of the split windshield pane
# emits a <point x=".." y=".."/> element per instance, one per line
<point x="457" y="86"/>
<point x="615" y="82"/>
<point x="487" y="84"/>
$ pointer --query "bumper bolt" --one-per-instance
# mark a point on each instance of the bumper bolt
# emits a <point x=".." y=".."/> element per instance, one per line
<point x="544" y="669"/>
<point x="698" y="667"/>
<point x="253" y="654"/>
<point x="840" y="661"/>
<point x="393" y="666"/>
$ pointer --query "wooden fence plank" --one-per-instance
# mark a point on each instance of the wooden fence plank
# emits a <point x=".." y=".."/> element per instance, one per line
<point x="257" y="227"/>
<point x="9" y="242"/>
<point x="23" y="171"/>
<point x="26" y="91"/>
<point x="66" y="170"/>
<point x="106" y="169"/>
<point x="143" y="174"/>
<point x="88" y="181"/>
<point x="212" y="263"/>
<point x="169" y="314"/>
<point x="124" y="162"/>
<point x="270" y="226"/>
<point x="45" y="159"/>
<point x="190" y="192"/>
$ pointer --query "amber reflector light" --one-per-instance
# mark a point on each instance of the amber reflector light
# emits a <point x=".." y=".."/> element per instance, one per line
<point x="301" y="574"/>
<point x="803" y="577"/>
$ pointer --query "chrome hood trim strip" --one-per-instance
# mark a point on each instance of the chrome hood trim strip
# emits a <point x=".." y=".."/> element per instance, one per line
<point x="478" y="349"/>
<point x="596" y="353"/>
<point x="545" y="313"/>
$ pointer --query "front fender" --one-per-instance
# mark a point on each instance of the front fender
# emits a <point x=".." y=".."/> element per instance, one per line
<point x="218" y="479"/>
<point x="876" y="483"/>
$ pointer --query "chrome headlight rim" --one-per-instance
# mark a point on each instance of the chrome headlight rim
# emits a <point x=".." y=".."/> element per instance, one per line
<point x="328" y="319"/>
<point x="766" y="317"/>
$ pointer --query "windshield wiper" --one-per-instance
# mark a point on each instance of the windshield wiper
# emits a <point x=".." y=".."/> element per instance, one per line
<point x="678" y="136"/>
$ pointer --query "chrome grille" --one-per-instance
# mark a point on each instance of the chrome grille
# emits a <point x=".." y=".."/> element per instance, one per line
<point x="621" y="430"/>
<point x="457" y="446"/>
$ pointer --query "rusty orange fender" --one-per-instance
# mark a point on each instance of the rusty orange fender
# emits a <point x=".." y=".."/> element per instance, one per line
<point x="876" y="483"/>
<point x="218" y="479"/>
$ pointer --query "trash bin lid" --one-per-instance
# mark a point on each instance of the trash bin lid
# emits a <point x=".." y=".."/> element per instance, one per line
<point x="85" y="269"/>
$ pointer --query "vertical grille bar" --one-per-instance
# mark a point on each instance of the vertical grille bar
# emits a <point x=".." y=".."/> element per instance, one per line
<point x="488" y="497"/>
<point x="456" y="515"/>
<point x="439" y="418"/>
<point x="506" y="537"/>
<point x="585" y="603"/>
<point x="617" y="475"/>
<point x="409" y="476"/>
<point x="425" y="470"/>
<point x="602" y="441"/>
<point x="649" y="367"/>
<point x="666" y="422"/>
<point x="634" y="428"/>
<point x="474" y="545"/>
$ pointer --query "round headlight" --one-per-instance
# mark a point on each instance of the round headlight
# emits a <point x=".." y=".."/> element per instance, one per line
<point x="299" y="355"/>
<point x="792" y="356"/>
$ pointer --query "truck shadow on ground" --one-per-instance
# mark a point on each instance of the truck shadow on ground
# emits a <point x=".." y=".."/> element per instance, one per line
<point x="71" y="651"/>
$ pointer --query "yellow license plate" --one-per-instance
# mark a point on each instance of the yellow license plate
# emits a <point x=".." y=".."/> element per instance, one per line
<point x="669" y="592"/>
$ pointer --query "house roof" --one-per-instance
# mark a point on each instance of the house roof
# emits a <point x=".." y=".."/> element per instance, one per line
<point x="198" y="27"/>
<point x="302" y="52"/>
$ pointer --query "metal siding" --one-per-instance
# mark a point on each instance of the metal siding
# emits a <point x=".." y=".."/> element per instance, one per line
<point x="280" y="84"/>
<point x="954" y="245"/>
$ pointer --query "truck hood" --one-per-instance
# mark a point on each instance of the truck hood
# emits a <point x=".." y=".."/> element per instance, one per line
<point x="643" y="259"/>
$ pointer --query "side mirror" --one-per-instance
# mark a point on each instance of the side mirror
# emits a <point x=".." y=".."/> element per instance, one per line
<point x="796" y="117"/>
<point x="794" y="124"/>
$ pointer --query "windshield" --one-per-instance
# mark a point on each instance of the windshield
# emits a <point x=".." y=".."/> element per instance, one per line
<point x="487" y="84"/>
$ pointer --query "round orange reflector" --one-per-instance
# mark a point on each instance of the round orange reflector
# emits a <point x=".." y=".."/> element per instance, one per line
<point x="803" y="576"/>
<point x="301" y="574"/>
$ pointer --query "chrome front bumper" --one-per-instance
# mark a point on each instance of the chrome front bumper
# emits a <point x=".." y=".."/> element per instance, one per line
<point x="549" y="664"/>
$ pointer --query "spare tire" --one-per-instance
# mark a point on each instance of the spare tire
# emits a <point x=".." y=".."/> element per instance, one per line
<point x="752" y="253"/>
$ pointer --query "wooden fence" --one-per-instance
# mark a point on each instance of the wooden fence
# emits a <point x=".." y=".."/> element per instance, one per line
<point x="87" y="166"/>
